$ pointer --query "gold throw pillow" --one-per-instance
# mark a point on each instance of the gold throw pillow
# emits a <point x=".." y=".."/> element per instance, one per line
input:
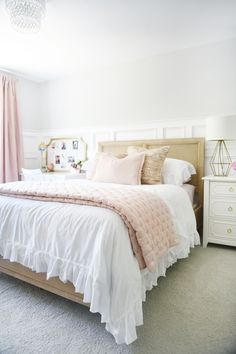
<point x="154" y="159"/>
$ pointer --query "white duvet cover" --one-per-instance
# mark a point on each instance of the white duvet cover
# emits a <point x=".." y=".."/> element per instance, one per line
<point x="90" y="247"/>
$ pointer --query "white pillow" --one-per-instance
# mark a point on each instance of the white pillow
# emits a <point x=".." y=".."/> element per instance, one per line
<point x="27" y="171"/>
<point x="190" y="190"/>
<point x="31" y="174"/>
<point x="177" y="172"/>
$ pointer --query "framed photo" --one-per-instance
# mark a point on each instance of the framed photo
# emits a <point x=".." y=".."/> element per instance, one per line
<point x="75" y="144"/>
<point x="63" y="152"/>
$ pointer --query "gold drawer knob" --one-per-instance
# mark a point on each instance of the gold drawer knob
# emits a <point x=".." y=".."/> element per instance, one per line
<point x="231" y="189"/>
<point x="229" y="230"/>
<point x="230" y="208"/>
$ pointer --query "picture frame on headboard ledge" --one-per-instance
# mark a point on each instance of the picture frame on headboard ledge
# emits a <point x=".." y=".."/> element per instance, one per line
<point x="61" y="153"/>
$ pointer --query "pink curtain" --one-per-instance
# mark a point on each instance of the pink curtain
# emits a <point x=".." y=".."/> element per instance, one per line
<point x="11" y="151"/>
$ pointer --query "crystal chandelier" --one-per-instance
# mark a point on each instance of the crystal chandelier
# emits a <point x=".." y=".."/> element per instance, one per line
<point x="26" y="15"/>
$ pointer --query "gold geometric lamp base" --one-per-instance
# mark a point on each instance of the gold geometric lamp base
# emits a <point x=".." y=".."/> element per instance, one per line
<point x="221" y="161"/>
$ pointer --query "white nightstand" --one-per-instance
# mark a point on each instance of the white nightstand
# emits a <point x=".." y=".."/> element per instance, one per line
<point x="219" y="210"/>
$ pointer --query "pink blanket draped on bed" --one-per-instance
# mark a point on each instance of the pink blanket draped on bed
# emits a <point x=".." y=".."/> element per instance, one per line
<point x="146" y="216"/>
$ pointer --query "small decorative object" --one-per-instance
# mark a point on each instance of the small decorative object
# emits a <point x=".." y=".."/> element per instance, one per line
<point x="42" y="147"/>
<point x="63" y="146"/>
<point x="220" y="129"/>
<point x="50" y="167"/>
<point x="26" y="15"/>
<point x="75" y="144"/>
<point x="76" y="167"/>
<point x="233" y="166"/>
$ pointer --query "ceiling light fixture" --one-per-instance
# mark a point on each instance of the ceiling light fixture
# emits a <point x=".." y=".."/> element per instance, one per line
<point x="26" y="15"/>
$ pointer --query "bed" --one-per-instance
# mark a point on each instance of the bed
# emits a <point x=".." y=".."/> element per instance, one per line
<point x="100" y="279"/>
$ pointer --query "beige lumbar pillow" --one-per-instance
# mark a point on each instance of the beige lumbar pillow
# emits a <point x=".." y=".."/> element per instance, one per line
<point x="125" y="170"/>
<point x="152" y="167"/>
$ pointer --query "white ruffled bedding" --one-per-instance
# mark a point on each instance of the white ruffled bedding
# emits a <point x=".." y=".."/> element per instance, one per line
<point x="90" y="247"/>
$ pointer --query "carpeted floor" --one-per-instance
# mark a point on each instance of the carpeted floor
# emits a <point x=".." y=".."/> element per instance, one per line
<point x="192" y="311"/>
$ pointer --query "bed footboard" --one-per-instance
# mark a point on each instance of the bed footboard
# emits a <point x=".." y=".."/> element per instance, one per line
<point x="54" y="285"/>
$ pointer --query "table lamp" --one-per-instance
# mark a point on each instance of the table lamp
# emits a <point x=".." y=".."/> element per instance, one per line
<point x="221" y="129"/>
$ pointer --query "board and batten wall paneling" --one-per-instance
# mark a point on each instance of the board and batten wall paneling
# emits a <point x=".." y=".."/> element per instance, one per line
<point x="31" y="140"/>
<point x="92" y="135"/>
<point x="134" y="134"/>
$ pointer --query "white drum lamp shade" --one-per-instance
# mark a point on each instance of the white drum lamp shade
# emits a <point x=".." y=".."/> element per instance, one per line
<point x="220" y="129"/>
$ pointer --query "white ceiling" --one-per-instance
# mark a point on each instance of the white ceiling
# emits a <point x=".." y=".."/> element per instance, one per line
<point x="80" y="35"/>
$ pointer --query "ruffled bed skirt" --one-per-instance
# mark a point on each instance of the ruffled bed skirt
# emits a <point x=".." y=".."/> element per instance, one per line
<point x="123" y="328"/>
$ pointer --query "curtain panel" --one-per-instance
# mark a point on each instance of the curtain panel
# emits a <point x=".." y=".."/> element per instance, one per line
<point x="11" y="150"/>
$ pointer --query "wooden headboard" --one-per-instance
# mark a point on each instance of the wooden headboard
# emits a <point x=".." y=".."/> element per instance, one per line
<point x="189" y="149"/>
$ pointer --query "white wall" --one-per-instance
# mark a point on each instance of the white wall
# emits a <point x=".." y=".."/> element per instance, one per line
<point x="161" y="97"/>
<point x="29" y="104"/>
<point x="190" y="83"/>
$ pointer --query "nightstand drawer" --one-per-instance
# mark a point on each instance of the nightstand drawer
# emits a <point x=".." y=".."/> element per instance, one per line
<point x="222" y="230"/>
<point x="223" y="189"/>
<point x="223" y="208"/>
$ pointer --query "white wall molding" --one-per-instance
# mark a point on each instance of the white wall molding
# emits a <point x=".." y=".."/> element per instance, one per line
<point x="160" y="123"/>
<point x="31" y="139"/>
<point x="161" y="129"/>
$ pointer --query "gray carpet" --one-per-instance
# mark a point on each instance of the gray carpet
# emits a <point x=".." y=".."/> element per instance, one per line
<point x="193" y="310"/>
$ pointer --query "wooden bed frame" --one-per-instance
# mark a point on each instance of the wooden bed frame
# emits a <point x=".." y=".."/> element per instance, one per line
<point x="189" y="149"/>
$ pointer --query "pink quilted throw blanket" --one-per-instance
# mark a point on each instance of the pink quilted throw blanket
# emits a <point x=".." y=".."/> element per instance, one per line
<point x="147" y="217"/>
